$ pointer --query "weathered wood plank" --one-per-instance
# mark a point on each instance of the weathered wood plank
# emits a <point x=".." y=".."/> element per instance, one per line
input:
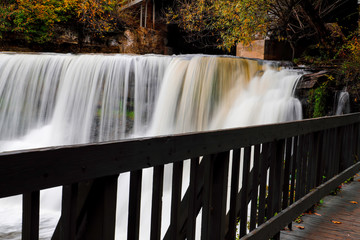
<point x="334" y="207"/>
<point x="85" y="162"/>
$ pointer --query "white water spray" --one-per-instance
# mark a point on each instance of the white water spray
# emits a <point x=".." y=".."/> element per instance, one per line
<point x="56" y="99"/>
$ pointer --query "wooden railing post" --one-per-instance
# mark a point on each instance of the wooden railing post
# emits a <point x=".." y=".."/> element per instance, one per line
<point x="155" y="233"/>
<point x="244" y="188"/>
<point x="176" y="199"/>
<point x="100" y="208"/>
<point x="134" y="205"/>
<point x="234" y="193"/>
<point x="192" y="213"/>
<point x="31" y="208"/>
<point x="68" y="223"/>
<point x="263" y="181"/>
<point x="214" y="197"/>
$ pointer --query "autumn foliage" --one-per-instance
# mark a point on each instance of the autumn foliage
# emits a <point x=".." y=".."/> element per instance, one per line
<point x="229" y="22"/>
<point x="37" y="20"/>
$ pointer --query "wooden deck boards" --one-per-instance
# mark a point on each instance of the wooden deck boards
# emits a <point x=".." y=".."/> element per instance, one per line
<point x="334" y="208"/>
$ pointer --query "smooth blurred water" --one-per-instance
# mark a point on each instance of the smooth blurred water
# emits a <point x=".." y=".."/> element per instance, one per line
<point x="60" y="99"/>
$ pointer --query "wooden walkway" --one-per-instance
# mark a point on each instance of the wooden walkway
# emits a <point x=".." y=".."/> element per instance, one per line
<point x="338" y="217"/>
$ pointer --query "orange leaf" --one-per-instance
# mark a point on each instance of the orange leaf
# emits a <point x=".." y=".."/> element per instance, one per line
<point x="317" y="214"/>
<point x="353" y="202"/>
<point x="358" y="180"/>
<point x="336" y="222"/>
<point x="300" y="227"/>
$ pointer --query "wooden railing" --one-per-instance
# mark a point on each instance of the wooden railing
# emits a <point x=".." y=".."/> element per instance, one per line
<point x="147" y="11"/>
<point x="130" y="3"/>
<point x="283" y="170"/>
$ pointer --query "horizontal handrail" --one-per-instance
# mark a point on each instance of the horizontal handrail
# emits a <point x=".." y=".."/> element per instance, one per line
<point x="55" y="166"/>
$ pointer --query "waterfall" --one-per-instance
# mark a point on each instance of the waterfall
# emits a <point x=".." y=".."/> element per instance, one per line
<point x="60" y="99"/>
<point x="342" y="102"/>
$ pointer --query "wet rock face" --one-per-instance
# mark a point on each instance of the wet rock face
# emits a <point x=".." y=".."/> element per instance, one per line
<point x="308" y="81"/>
<point x="142" y="41"/>
<point x="333" y="90"/>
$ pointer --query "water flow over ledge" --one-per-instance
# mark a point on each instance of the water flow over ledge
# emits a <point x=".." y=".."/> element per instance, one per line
<point x="58" y="99"/>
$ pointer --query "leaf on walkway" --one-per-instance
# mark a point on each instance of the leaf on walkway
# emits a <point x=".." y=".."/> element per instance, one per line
<point x="317" y="214"/>
<point x="353" y="202"/>
<point x="358" y="180"/>
<point x="300" y="227"/>
<point x="336" y="222"/>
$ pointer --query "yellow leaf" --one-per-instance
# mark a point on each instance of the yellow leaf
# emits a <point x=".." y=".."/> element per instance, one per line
<point x="336" y="222"/>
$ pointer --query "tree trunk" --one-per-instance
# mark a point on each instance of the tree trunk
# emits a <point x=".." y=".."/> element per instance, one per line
<point x="314" y="20"/>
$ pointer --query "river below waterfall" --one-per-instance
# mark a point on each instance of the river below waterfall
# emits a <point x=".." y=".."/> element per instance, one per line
<point x="61" y="99"/>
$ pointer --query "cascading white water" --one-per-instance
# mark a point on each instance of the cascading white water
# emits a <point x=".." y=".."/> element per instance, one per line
<point x="58" y="99"/>
<point x="342" y="102"/>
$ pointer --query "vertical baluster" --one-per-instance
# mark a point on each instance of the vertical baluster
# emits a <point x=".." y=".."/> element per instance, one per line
<point x="299" y="168"/>
<point x="357" y="146"/>
<point x="31" y="208"/>
<point x="304" y="166"/>
<point x="192" y="214"/>
<point x="134" y="205"/>
<point x="314" y="158"/>
<point x="356" y="142"/>
<point x="338" y="148"/>
<point x="272" y="180"/>
<point x="100" y="216"/>
<point x="234" y="193"/>
<point x="275" y="179"/>
<point x="208" y="176"/>
<point x="308" y="161"/>
<point x="68" y="212"/>
<point x="293" y="168"/>
<point x="214" y="197"/>
<point x="293" y="171"/>
<point x="350" y="145"/>
<point x="156" y="206"/>
<point x="332" y="150"/>
<point x="327" y="155"/>
<point x="324" y="156"/>
<point x="254" y="186"/>
<point x="263" y="177"/>
<point x="175" y="198"/>
<point x="353" y="143"/>
<point x="244" y="188"/>
<point x="109" y="214"/>
<point x="286" y="188"/>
